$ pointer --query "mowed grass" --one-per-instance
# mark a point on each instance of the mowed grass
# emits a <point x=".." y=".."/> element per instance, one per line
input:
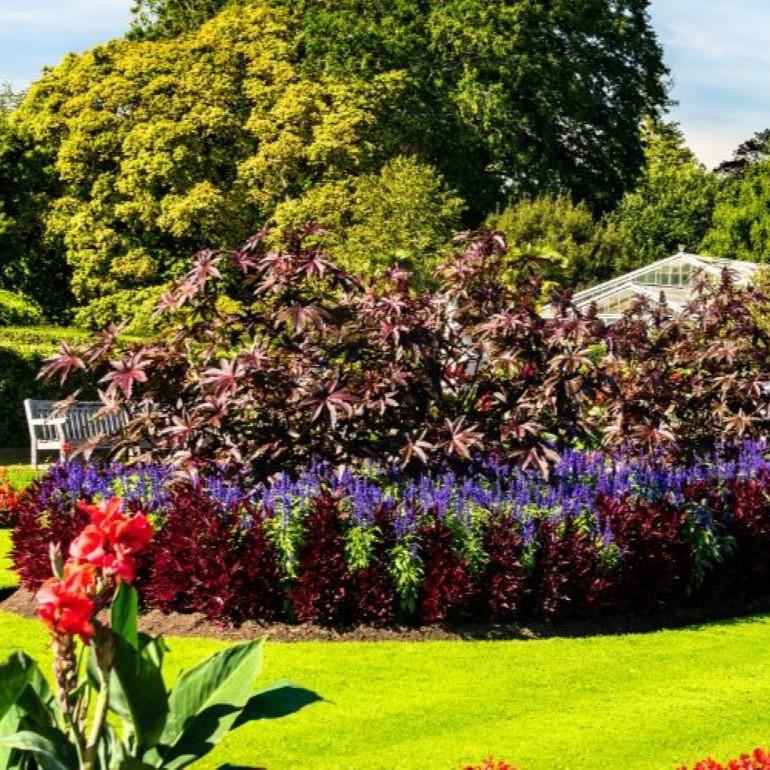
<point x="637" y="701"/>
<point x="8" y="578"/>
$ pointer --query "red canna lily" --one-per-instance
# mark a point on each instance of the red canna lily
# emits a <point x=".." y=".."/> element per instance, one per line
<point x="90" y="546"/>
<point x="65" y="606"/>
<point x="112" y="539"/>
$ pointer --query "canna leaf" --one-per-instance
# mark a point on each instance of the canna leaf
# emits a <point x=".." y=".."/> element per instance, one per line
<point x="138" y="694"/>
<point x="37" y="701"/>
<point x="15" y="673"/>
<point x="9" y="725"/>
<point x="50" y="746"/>
<point x="205" y="703"/>
<point x="123" y="614"/>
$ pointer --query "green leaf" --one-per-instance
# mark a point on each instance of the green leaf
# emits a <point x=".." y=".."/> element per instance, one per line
<point x="9" y="724"/>
<point x="15" y="673"/>
<point x="138" y="693"/>
<point x="35" y="708"/>
<point x="37" y="700"/>
<point x="125" y="607"/>
<point x="50" y="746"/>
<point x="110" y="750"/>
<point x="153" y="648"/>
<point x="205" y="703"/>
<point x="130" y="763"/>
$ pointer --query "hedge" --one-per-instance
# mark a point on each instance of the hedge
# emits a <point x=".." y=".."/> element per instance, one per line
<point x="22" y="352"/>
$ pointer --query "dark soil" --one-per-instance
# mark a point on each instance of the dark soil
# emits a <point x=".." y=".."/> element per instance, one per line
<point x="22" y="603"/>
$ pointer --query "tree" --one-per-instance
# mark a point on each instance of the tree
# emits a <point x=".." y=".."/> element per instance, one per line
<point x="741" y="222"/>
<point x="163" y="19"/>
<point x="403" y="215"/>
<point x="672" y="203"/>
<point x="507" y="95"/>
<point x="754" y="150"/>
<point x="30" y="261"/>
<point x="578" y="248"/>
<point x="165" y="146"/>
<point x="740" y="226"/>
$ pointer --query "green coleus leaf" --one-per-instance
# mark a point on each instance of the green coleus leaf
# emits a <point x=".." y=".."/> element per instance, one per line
<point x="205" y="703"/>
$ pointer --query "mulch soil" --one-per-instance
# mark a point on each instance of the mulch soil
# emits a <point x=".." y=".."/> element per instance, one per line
<point x="21" y="602"/>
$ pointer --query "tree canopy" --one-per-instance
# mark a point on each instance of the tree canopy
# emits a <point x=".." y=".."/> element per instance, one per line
<point x="515" y="96"/>
<point x="672" y="203"/>
<point x="214" y="117"/>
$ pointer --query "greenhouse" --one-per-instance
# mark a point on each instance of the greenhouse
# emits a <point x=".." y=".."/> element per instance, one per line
<point x="673" y="277"/>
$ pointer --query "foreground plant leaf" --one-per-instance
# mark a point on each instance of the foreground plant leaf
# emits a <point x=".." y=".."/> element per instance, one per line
<point x="205" y="703"/>
<point x="141" y="696"/>
<point x="15" y="673"/>
<point x="50" y="746"/>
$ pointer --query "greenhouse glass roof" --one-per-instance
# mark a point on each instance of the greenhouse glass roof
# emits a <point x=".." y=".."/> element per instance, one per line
<point x="673" y="277"/>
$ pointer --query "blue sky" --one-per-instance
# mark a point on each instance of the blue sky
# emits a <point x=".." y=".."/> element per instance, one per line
<point x="718" y="52"/>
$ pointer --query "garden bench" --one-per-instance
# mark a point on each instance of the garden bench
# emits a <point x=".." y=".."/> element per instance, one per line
<point x="74" y="426"/>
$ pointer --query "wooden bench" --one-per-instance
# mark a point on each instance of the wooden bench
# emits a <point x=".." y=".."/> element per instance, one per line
<point x="75" y="425"/>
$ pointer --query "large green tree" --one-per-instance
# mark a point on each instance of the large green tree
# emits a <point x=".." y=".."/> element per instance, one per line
<point x="740" y="227"/>
<point x="672" y="203"/>
<point x="514" y="96"/>
<point x="504" y="95"/>
<point x="31" y="262"/>
<point x="167" y="147"/>
<point x="219" y="116"/>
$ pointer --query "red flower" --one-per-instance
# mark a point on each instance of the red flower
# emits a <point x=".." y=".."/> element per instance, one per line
<point x="130" y="534"/>
<point x="112" y="539"/>
<point x="65" y="606"/>
<point x="90" y="546"/>
<point x="102" y="514"/>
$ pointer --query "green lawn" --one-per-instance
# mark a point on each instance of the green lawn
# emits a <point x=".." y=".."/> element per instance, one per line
<point x="640" y="701"/>
<point x="8" y="578"/>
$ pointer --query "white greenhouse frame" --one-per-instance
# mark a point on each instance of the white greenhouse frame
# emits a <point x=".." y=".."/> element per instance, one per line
<point x="681" y="267"/>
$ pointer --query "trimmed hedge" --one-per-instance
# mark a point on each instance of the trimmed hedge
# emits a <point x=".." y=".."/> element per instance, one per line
<point x="22" y="352"/>
<point x="16" y="309"/>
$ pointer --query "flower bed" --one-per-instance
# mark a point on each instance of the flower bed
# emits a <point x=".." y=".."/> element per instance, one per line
<point x="370" y="547"/>
<point x="757" y="760"/>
